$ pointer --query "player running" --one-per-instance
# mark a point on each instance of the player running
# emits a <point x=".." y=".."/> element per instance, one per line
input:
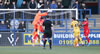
<point x="35" y="25"/>
<point x="48" y="28"/>
<point x="76" y="31"/>
<point x="86" y="29"/>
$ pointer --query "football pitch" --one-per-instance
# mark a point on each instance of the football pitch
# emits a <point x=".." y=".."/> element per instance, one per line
<point x="55" y="50"/>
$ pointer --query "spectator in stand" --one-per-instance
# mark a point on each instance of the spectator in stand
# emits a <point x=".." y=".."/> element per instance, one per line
<point x="60" y="6"/>
<point x="22" y="26"/>
<point x="53" y="5"/>
<point x="14" y="24"/>
<point x="41" y="4"/>
<point x="7" y="5"/>
<point x="13" y="1"/>
<point x="0" y="1"/>
<point x="1" y="5"/>
<point x="66" y="3"/>
<point x="76" y="5"/>
<point x="7" y="22"/>
<point x="19" y="3"/>
<point x="27" y="1"/>
<point x="6" y="1"/>
<point x="32" y="4"/>
<point x="83" y="6"/>
<point x="13" y="5"/>
<point x="46" y="5"/>
<point x="24" y="5"/>
<point x="3" y="25"/>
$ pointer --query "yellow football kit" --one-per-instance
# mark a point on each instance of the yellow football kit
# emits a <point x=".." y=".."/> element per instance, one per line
<point x="76" y="28"/>
<point x="76" y="32"/>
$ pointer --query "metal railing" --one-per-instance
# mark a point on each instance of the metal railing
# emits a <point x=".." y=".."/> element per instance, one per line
<point x="66" y="29"/>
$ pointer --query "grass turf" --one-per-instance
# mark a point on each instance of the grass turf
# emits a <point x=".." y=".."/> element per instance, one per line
<point x="55" y="50"/>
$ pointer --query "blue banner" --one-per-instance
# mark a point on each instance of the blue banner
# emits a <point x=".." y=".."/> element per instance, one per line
<point x="98" y="6"/>
<point x="66" y="39"/>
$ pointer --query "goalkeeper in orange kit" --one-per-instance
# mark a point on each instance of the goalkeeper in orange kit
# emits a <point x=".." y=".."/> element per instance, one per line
<point x="36" y="26"/>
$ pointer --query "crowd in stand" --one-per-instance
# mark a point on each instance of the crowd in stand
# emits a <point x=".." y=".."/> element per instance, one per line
<point x="26" y="4"/>
<point x="32" y="4"/>
<point x="80" y="5"/>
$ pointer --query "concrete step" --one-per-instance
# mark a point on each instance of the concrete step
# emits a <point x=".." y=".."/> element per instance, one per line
<point x="94" y="16"/>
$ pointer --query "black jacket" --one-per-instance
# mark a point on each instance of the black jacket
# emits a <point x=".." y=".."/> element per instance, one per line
<point x="32" y="5"/>
<point x="24" y="6"/>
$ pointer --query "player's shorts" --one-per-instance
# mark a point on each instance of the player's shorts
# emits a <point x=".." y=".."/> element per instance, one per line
<point x="35" y="27"/>
<point x="86" y="32"/>
<point x="41" y="29"/>
<point x="76" y="33"/>
<point x="47" y="34"/>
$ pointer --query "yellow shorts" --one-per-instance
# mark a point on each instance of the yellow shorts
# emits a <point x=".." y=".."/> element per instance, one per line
<point x="76" y="33"/>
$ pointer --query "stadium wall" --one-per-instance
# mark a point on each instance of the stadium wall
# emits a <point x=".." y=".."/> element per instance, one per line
<point x="59" y="39"/>
<point x="9" y="39"/>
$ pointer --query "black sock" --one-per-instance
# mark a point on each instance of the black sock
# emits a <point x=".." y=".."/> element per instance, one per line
<point x="50" y="44"/>
<point x="44" y="43"/>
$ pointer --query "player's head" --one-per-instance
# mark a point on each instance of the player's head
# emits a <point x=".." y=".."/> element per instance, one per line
<point x="86" y="19"/>
<point x="73" y="18"/>
<point x="76" y="2"/>
<point x="42" y="18"/>
<point x="47" y="17"/>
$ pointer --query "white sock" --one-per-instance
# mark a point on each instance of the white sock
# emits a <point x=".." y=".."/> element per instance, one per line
<point x="77" y="44"/>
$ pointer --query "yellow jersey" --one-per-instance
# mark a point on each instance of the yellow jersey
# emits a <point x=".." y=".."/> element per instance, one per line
<point x="75" y="26"/>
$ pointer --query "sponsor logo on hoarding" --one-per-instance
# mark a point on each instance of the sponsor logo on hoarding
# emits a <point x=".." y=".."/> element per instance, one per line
<point x="28" y="40"/>
<point x="71" y="36"/>
<point x="67" y="39"/>
<point x="11" y="39"/>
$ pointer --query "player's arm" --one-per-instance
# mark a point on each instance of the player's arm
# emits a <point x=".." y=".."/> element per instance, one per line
<point x="44" y="14"/>
<point x="84" y="23"/>
<point x="52" y="27"/>
<point x="79" y="24"/>
<point x="43" y="25"/>
<point x="71" y="26"/>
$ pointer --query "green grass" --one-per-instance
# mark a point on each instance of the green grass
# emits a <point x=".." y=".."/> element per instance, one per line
<point x="55" y="50"/>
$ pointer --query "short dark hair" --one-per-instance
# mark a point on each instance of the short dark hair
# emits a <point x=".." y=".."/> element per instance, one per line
<point x="42" y="18"/>
<point x="86" y="18"/>
<point x="47" y="16"/>
<point x="73" y="18"/>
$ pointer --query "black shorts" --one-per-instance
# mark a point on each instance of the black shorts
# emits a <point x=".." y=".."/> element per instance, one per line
<point x="48" y="34"/>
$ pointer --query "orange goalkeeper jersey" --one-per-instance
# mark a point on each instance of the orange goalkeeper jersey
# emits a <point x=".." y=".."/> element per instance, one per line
<point x="37" y="18"/>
